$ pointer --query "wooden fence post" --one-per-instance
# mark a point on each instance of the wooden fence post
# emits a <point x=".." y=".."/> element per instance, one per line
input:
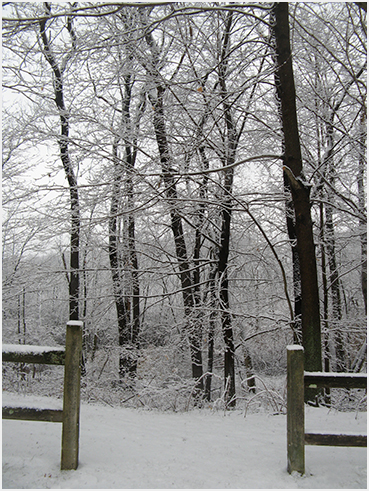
<point x="295" y="410"/>
<point x="71" y="399"/>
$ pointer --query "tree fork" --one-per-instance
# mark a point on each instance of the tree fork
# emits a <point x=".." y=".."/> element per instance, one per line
<point x="311" y="331"/>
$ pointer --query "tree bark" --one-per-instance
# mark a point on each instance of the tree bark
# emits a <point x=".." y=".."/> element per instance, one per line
<point x="194" y="329"/>
<point x="211" y="332"/>
<point x="130" y="149"/>
<point x="115" y="262"/>
<point x="65" y="158"/>
<point x="311" y="332"/>
<point x="330" y="242"/>
<point x="124" y="264"/>
<point x="226" y="213"/>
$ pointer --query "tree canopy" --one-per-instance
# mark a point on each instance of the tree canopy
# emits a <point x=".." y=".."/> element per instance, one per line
<point x="150" y="190"/>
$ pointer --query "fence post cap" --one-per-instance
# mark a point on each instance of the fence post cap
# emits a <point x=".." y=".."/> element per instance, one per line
<point x="295" y="347"/>
<point x="75" y="323"/>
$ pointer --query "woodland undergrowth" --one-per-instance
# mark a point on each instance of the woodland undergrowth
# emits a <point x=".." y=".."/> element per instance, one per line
<point x="161" y="384"/>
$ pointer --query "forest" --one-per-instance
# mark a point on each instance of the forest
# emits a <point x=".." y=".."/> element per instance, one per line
<point x="189" y="180"/>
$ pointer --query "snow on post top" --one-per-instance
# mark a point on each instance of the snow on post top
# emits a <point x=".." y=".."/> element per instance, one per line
<point x="295" y="347"/>
<point x="75" y="323"/>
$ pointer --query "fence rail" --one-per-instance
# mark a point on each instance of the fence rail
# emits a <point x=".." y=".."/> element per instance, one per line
<point x="33" y="414"/>
<point x="71" y="358"/>
<point x="18" y="353"/>
<point x="335" y="380"/>
<point x="297" y="381"/>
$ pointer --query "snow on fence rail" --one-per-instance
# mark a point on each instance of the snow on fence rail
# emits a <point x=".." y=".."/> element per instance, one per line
<point x="70" y="357"/>
<point x="20" y="353"/>
<point x="297" y="381"/>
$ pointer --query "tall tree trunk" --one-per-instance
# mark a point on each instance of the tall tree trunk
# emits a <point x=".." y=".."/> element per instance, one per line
<point x="199" y="223"/>
<point x="115" y="262"/>
<point x="330" y="241"/>
<point x="361" y="193"/>
<point x="130" y="149"/>
<point x="123" y="256"/>
<point x="65" y="158"/>
<point x="320" y="192"/>
<point x="193" y="328"/>
<point x="334" y="286"/>
<point x="325" y="324"/>
<point x="311" y="332"/>
<point x="226" y="213"/>
<point x="212" y="301"/>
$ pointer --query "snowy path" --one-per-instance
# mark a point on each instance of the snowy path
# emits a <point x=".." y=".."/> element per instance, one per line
<point x="124" y="448"/>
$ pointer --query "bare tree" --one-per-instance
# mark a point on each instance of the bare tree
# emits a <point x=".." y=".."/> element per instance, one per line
<point x="183" y="231"/>
<point x="58" y="73"/>
<point x="332" y="90"/>
<point x="156" y="96"/>
<point x="311" y="335"/>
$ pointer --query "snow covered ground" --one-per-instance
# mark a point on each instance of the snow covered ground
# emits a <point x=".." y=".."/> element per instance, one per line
<point x="127" y="448"/>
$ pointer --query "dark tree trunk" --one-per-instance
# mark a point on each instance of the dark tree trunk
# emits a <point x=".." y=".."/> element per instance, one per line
<point x="193" y="328"/>
<point x="334" y="285"/>
<point x="212" y="275"/>
<point x="122" y="250"/>
<point x="226" y="214"/>
<point x="135" y="283"/>
<point x="330" y="243"/>
<point x="124" y="337"/>
<point x="133" y="319"/>
<point x="211" y="333"/>
<point x="327" y="391"/>
<point x="311" y="335"/>
<point x="67" y="165"/>
<point x="320" y="193"/>
<point x="199" y="223"/>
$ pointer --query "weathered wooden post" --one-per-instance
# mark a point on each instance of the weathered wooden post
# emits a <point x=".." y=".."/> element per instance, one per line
<point x="295" y="410"/>
<point x="71" y="399"/>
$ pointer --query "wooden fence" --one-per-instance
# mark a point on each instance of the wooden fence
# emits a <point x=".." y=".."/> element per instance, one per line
<point x="297" y="381"/>
<point x="70" y="357"/>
